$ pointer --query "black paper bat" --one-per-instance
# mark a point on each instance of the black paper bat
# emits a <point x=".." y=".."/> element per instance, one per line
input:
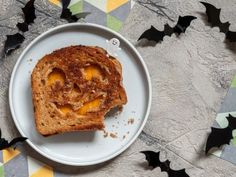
<point x="156" y="35"/>
<point x="66" y="13"/>
<point x="29" y="16"/>
<point x="221" y="136"/>
<point x="153" y="159"/>
<point x="5" y="144"/>
<point x="214" y="19"/>
<point x="13" y="41"/>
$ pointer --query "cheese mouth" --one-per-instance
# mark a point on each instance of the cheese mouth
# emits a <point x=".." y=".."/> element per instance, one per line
<point x="91" y="106"/>
<point x="88" y="107"/>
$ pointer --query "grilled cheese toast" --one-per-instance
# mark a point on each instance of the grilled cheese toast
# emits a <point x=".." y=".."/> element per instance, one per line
<point x="74" y="87"/>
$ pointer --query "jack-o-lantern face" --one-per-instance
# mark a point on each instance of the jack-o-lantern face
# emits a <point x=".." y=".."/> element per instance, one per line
<point x="77" y="82"/>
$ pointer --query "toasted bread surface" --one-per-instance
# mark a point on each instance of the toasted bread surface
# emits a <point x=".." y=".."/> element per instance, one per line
<point x="74" y="87"/>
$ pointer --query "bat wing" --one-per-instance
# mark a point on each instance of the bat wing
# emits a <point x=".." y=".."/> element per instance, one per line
<point x="3" y="143"/>
<point x="152" y="158"/>
<point x="231" y="36"/>
<point x="152" y="34"/>
<point x="179" y="173"/>
<point x="12" y="42"/>
<point x="16" y="140"/>
<point x="183" y="23"/>
<point x="22" y="26"/>
<point x="218" y="137"/>
<point x="214" y="17"/>
<point x="29" y="12"/>
<point x="165" y="166"/>
<point x="65" y="3"/>
<point x="232" y="122"/>
<point x="67" y="15"/>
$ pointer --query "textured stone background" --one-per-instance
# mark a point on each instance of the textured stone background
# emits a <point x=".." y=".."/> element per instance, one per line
<point x="190" y="77"/>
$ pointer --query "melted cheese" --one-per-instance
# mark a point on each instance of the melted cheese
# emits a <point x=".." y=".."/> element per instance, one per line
<point x="92" y="72"/>
<point x="90" y="106"/>
<point x="56" y="76"/>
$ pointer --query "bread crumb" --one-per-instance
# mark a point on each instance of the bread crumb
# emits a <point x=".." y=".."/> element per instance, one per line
<point x="131" y="121"/>
<point x="113" y="135"/>
<point x="127" y="132"/>
<point x="124" y="137"/>
<point x="105" y="133"/>
<point x="29" y="60"/>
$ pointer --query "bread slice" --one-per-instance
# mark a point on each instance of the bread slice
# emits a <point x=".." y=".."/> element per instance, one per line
<point x="74" y="87"/>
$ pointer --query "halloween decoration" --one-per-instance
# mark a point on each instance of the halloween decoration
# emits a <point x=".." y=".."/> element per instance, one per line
<point x="221" y="136"/>
<point x="153" y="159"/>
<point x="214" y="19"/>
<point x="5" y="144"/>
<point x="13" y="42"/>
<point x="153" y="34"/>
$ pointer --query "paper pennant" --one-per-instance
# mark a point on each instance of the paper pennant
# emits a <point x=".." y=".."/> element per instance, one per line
<point x="17" y="166"/>
<point x="33" y="165"/>
<point x="9" y="154"/>
<point x="113" y="23"/>
<point x="110" y="13"/>
<point x="1" y="170"/>
<point x="100" y="4"/>
<point x="113" y="4"/>
<point x="44" y="171"/>
<point x="77" y="7"/>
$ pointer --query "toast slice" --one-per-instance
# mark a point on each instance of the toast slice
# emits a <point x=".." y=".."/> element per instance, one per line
<point x="74" y="87"/>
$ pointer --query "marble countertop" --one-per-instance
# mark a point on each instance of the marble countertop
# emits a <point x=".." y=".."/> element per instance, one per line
<point x="190" y="76"/>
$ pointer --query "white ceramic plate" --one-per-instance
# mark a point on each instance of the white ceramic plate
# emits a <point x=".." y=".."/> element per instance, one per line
<point x="82" y="148"/>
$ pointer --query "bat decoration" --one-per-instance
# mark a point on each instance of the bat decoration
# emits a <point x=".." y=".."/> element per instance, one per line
<point x="153" y="34"/>
<point x="153" y="159"/>
<point x="66" y="13"/>
<point x="5" y="144"/>
<point x="29" y="16"/>
<point x="214" y="19"/>
<point x="13" y="41"/>
<point x="221" y="136"/>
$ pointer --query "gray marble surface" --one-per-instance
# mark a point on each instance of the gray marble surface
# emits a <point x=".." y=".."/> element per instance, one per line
<point x="190" y="76"/>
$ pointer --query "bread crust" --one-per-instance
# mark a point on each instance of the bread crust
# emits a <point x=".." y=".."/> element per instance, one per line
<point x="74" y="91"/>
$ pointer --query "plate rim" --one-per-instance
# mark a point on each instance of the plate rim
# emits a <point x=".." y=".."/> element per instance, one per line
<point x="122" y="149"/>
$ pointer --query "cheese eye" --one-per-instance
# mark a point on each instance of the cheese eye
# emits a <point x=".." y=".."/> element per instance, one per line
<point x="57" y="75"/>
